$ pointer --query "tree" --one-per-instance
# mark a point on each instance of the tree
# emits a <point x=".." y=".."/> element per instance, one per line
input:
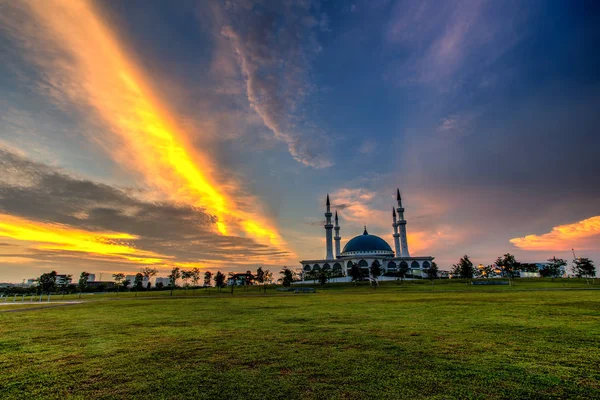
<point x="355" y="272"/>
<point x="464" y="268"/>
<point x="65" y="284"/>
<point x="185" y="275"/>
<point x="219" y="280"/>
<point x="260" y="276"/>
<point x="268" y="279"/>
<point x="553" y="268"/>
<point x="487" y="271"/>
<point x="138" y="281"/>
<point x="402" y="271"/>
<point x="47" y="282"/>
<point x="126" y="283"/>
<point x="83" y="282"/>
<point x="323" y="276"/>
<point x="509" y="265"/>
<point x="375" y="272"/>
<point x="196" y="276"/>
<point x="175" y="274"/>
<point x="118" y="279"/>
<point x="432" y="272"/>
<point x="148" y="273"/>
<point x="248" y="279"/>
<point x="207" y="278"/>
<point x="288" y="276"/>
<point x="584" y="267"/>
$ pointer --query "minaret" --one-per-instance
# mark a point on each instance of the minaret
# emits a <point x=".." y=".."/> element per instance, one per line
<point x="328" y="232"/>
<point x="402" y="226"/>
<point x="337" y="236"/>
<point x="396" y="235"/>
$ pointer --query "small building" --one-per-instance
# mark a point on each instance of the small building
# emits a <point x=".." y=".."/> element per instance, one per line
<point x="102" y="285"/>
<point x="240" y="280"/>
<point x="163" y="281"/>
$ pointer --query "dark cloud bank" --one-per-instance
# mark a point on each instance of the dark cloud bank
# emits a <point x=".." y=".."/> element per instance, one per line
<point x="42" y="193"/>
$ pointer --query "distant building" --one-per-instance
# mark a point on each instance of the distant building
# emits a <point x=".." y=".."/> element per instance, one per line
<point x="164" y="281"/>
<point x="63" y="280"/>
<point x="131" y="279"/>
<point x="240" y="280"/>
<point x="91" y="277"/>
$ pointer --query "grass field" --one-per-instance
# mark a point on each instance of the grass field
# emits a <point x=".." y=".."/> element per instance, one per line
<point x="401" y="341"/>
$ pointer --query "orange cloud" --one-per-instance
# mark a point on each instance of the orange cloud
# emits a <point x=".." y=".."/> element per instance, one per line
<point x="583" y="235"/>
<point x="57" y="237"/>
<point x="84" y="63"/>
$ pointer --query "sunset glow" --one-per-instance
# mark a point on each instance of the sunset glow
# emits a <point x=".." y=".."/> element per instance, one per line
<point x="56" y="237"/>
<point x="154" y="145"/>
<point x="564" y="237"/>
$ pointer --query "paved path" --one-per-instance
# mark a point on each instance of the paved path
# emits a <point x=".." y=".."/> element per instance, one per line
<point x="53" y="304"/>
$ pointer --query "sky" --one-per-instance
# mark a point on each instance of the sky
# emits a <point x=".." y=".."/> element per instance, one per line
<point x="208" y="133"/>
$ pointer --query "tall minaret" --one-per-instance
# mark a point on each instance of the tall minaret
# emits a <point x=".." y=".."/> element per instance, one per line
<point x="396" y="235"/>
<point x="402" y="226"/>
<point x="337" y="236"/>
<point x="328" y="233"/>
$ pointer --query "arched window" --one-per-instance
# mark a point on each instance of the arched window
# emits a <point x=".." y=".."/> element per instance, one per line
<point x="349" y="265"/>
<point x="426" y="264"/>
<point x="326" y="267"/>
<point x="404" y="265"/>
<point x="316" y="267"/>
<point x="337" y="267"/>
<point x="363" y="264"/>
<point x="307" y="268"/>
<point x="414" y="265"/>
<point x="391" y="265"/>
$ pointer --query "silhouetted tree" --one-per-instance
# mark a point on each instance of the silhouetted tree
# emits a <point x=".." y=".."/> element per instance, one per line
<point x="464" y="268"/>
<point x="148" y="272"/>
<point x="82" y="284"/>
<point x="173" y="276"/>
<point x="553" y="268"/>
<point x="260" y="276"/>
<point x="509" y="265"/>
<point x="288" y="276"/>
<point x="355" y="272"/>
<point x="118" y="279"/>
<point x="47" y="282"/>
<point x="584" y="267"/>
<point x="402" y="271"/>
<point x="207" y="278"/>
<point x="137" y="282"/>
<point x="219" y="280"/>
<point x="375" y="272"/>
<point x="185" y="275"/>
<point x="432" y="272"/>
<point x="195" y="276"/>
<point x="268" y="279"/>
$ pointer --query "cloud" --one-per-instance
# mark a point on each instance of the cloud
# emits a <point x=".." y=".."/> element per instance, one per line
<point x="582" y="235"/>
<point x="274" y="47"/>
<point x="61" y="215"/>
<point x="442" y="37"/>
<point x="83" y="62"/>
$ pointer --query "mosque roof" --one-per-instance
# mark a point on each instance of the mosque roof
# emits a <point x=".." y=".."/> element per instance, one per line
<point x="366" y="243"/>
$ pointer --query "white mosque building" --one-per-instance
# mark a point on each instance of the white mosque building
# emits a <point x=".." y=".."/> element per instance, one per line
<point x="366" y="249"/>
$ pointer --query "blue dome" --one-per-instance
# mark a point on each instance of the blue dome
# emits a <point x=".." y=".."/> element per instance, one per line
<point x="366" y="243"/>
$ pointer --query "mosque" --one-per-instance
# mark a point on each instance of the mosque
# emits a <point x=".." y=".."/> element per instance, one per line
<point x="366" y="250"/>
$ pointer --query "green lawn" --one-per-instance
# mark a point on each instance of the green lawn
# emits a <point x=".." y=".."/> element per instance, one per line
<point x="401" y="341"/>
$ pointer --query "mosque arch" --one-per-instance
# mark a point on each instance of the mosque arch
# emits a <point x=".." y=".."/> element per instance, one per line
<point x="426" y="264"/>
<point x="363" y="264"/>
<point x="316" y="267"/>
<point x="391" y="265"/>
<point x="415" y="265"/>
<point x="307" y="268"/>
<point x="337" y="267"/>
<point x="326" y="267"/>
